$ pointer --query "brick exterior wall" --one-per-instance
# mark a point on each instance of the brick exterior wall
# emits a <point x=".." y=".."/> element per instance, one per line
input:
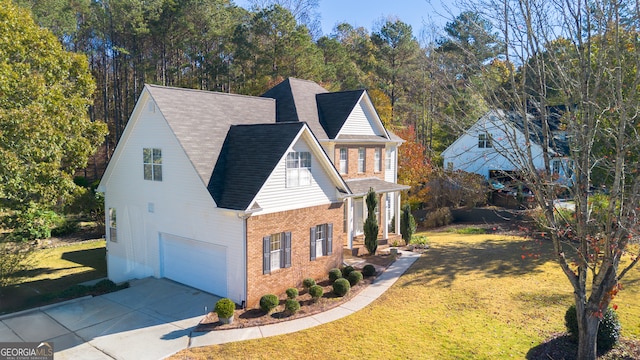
<point x="298" y="222"/>
<point x="352" y="161"/>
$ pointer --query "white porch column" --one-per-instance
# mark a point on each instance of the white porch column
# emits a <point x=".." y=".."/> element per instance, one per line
<point x="349" y="220"/>
<point x="385" y="221"/>
<point x="398" y="211"/>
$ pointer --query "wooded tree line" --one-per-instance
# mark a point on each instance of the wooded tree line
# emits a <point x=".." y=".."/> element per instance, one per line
<point x="215" y="45"/>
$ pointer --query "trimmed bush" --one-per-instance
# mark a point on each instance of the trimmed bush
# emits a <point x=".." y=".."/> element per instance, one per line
<point x="354" y="277"/>
<point x="608" y="331"/>
<point x="292" y="306"/>
<point x="346" y="271"/>
<point x="308" y="282"/>
<point x="369" y="270"/>
<point x="335" y="274"/>
<point x="225" y="308"/>
<point x="316" y="292"/>
<point x="292" y="293"/>
<point x="407" y="224"/>
<point x="341" y="287"/>
<point x="370" y="226"/>
<point x="268" y="303"/>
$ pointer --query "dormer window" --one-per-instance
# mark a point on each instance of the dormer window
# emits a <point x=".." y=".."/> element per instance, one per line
<point x="298" y="168"/>
<point x="484" y="140"/>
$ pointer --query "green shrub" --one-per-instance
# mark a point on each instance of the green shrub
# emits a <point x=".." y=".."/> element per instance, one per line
<point x="354" y="277"/>
<point x="65" y="227"/>
<point x="369" y="270"/>
<point x="407" y="224"/>
<point x="335" y="274"/>
<point x="32" y="223"/>
<point x="608" y="331"/>
<point x="308" y="282"/>
<point x="346" y="271"/>
<point x="225" y="308"/>
<point x="292" y="293"/>
<point x="371" y="223"/>
<point x="420" y="240"/>
<point x="268" y="303"/>
<point x="292" y="306"/>
<point x="341" y="287"/>
<point x="316" y="292"/>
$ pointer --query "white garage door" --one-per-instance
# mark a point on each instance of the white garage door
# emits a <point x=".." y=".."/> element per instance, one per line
<point x="194" y="263"/>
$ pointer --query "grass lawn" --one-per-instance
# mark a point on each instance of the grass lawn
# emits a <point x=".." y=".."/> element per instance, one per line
<point x="471" y="296"/>
<point x="53" y="270"/>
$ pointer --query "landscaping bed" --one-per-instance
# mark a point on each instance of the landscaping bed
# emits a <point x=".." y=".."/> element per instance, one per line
<point x="256" y="317"/>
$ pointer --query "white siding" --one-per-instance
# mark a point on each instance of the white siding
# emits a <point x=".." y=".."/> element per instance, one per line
<point x="464" y="154"/>
<point x="361" y="121"/>
<point x="276" y="196"/>
<point x="181" y="205"/>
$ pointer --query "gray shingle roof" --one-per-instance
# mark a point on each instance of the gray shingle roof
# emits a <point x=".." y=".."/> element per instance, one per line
<point x="296" y="101"/>
<point x="248" y="157"/>
<point x="201" y="120"/>
<point x="334" y="109"/>
<point x="534" y="124"/>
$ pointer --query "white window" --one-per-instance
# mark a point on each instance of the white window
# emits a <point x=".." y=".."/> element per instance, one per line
<point x="377" y="160"/>
<point x="298" y="169"/>
<point x="321" y="240"/>
<point x="275" y="248"/>
<point x="113" y="231"/>
<point x="484" y="140"/>
<point x="388" y="159"/>
<point x="362" y="159"/>
<point x="152" y="164"/>
<point x="276" y="252"/>
<point x="344" y="158"/>
<point x="556" y="166"/>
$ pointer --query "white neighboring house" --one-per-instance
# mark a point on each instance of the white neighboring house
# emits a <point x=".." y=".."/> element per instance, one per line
<point x="496" y="145"/>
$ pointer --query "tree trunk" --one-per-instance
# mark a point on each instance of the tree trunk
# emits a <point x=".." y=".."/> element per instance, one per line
<point x="587" y="334"/>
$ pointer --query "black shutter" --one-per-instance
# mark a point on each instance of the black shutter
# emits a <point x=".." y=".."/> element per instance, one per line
<point x="312" y="246"/>
<point x="329" y="241"/>
<point x="266" y="255"/>
<point x="287" y="249"/>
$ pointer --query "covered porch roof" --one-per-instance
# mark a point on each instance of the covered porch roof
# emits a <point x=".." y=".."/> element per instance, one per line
<point x="360" y="187"/>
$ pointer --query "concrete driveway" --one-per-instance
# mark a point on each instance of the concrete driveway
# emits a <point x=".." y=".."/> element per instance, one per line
<point x="152" y="319"/>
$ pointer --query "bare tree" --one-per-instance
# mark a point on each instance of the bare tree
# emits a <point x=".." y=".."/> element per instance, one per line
<point x="573" y="97"/>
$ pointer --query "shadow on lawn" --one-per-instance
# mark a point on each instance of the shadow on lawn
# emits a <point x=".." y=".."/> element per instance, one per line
<point x="39" y="292"/>
<point x="494" y="258"/>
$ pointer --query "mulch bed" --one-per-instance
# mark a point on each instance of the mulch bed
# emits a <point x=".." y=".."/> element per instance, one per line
<point x="560" y="347"/>
<point x="255" y="317"/>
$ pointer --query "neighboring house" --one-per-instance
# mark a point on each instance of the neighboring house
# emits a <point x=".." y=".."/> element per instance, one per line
<point x="495" y="146"/>
<point x="209" y="190"/>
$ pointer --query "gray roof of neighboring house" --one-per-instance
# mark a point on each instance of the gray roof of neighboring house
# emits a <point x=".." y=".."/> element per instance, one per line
<point x="534" y="125"/>
<point x="296" y="101"/>
<point x="360" y="187"/>
<point x="248" y="157"/>
<point x="201" y="119"/>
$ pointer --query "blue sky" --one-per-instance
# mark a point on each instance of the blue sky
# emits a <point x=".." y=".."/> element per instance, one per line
<point x="367" y="13"/>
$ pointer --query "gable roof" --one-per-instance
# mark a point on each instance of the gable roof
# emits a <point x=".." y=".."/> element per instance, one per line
<point x="248" y="157"/>
<point x="334" y="109"/>
<point x="534" y="125"/>
<point x="296" y="101"/>
<point x="200" y="119"/>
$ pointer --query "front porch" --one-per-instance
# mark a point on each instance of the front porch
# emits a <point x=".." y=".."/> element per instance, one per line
<point x="358" y="248"/>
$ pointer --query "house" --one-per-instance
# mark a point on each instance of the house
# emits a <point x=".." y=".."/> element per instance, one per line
<point x="235" y="196"/>
<point x="495" y="146"/>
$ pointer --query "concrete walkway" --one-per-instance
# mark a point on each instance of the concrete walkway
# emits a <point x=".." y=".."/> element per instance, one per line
<point x="364" y="298"/>
<point x="155" y="318"/>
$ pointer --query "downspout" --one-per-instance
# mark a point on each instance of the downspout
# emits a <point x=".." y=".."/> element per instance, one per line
<point x="245" y="215"/>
